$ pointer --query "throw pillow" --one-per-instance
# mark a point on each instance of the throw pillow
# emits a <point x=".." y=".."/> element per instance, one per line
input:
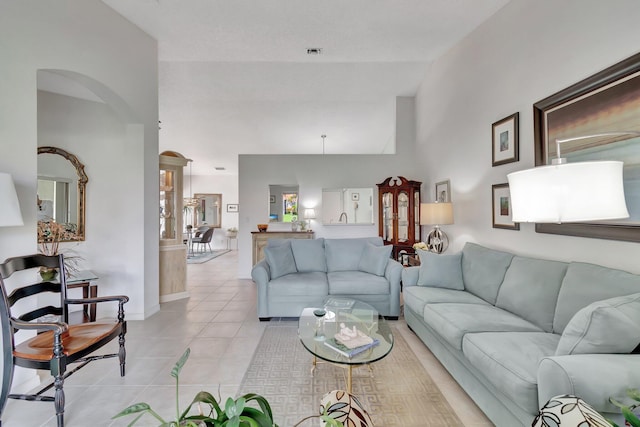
<point x="374" y="259"/>
<point x="345" y="408"/>
<point x="309" y="254"/>
<point x="280" y="260"/>
<point x="608" y="326"/>
<point x="570" y="411"/>
<point x="440" y="271"/>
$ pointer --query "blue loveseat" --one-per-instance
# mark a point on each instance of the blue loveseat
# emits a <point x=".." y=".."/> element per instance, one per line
<point x="299" y="273"/>
<point x="515" y="331"/>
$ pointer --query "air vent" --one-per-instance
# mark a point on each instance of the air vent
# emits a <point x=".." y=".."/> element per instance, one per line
<point x="220" y="168"/>
<point x="314" y="51"/>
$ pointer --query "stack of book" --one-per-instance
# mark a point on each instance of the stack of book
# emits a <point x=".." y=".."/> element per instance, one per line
<point x="347" y="351"/>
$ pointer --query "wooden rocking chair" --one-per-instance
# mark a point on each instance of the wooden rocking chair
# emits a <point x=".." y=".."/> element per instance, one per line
<point x="57" y="344"/>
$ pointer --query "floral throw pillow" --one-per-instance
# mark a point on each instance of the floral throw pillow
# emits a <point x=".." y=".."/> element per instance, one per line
<point x="568" y="411"/>
<point x="345" y="408"/>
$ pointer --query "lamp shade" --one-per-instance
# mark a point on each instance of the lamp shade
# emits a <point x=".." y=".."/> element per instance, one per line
<point x="9" y="207"/>
<point x="309" y="213"/>
<point x="570" y="192"/>
<point x="436" y="213"/>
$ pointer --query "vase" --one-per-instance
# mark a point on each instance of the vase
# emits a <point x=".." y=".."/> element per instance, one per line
<point x="48" y="274"/>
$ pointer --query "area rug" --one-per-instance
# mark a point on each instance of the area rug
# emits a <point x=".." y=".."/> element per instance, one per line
<point x="399" y="392"/>
<point x="199" y="258"/>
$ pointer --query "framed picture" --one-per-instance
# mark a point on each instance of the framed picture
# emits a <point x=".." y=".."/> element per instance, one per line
<point x="355" y="197"/>
<point x="504" y="140"/>
<point x="608" y="101"/>
<point x="232" y="208"/>
<point x="272" y="199"/>
<point x="501" y="203"/>
<point x="443" y="191"/>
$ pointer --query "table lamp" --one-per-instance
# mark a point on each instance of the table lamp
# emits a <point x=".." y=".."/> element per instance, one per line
<point x="436" y="214"/>
<point x="309" y="214"/>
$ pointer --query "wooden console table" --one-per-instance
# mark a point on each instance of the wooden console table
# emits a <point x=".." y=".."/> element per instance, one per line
<point x="259" y="240"/>
<point x="84" y="279"/>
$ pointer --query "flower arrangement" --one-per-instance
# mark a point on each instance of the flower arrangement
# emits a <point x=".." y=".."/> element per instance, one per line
<point x="232" y="230"/>
<point x="421" y="245"/>
<point x="50" y="235"/>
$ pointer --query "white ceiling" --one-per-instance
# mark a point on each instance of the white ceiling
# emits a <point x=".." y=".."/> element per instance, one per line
<point x="235" y="77"/>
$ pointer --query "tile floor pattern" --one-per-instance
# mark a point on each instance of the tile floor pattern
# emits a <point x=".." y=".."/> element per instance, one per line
<point x="219" y="323"/>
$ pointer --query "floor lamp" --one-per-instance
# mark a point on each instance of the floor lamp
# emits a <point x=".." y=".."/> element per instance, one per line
<point x="436" y="214"/>
<point x="10" y="216"/>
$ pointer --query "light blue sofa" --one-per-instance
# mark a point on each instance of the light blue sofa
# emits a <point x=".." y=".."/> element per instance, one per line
<point x="515" y="331"/>
<point x="299" y="273"/>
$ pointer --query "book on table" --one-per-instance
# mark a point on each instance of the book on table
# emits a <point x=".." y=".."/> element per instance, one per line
<point x="335" y="345"/>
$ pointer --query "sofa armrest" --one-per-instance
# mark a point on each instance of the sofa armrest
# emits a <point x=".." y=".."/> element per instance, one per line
<point x="593" y="377"/>
<point x="410" y="276"/>
<point x="261" y="275"/>
<point x="393" y="273"/>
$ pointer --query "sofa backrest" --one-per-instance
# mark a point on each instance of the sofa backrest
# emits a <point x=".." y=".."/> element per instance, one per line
<point x="530" y="289"/>
<point x="584" y="284"/>
<point x="483" y="270"/>
<point x="345" y="254"/>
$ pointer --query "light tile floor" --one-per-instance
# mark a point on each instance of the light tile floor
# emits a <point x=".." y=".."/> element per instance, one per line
<point x="219" y="323"/>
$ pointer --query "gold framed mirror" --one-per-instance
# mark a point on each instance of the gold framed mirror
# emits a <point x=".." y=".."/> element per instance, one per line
<point x="209" y="211"/>
<point x="62" y="184"/>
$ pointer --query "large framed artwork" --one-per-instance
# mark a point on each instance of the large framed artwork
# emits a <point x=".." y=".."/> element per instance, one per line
<point x="608" y="101"/>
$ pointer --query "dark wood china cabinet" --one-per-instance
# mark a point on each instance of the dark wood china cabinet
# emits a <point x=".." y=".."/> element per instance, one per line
<point x="399" y="214"/>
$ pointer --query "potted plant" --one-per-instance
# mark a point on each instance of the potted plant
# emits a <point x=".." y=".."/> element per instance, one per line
<point x="627" y="411"/>
<point x="235" y="413"/>
<point x="231" y="232"/>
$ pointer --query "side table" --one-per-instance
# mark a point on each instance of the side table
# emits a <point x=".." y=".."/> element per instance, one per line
<point x="83" y="279"/>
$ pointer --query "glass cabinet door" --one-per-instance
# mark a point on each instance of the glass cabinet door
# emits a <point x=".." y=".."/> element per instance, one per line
<point x="403" y="216"/>
<point x="387" y="213"/>
<point x="416" y="217"/>
<point x="167" y="205"/>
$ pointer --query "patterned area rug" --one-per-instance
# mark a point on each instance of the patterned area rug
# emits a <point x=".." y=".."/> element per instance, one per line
<point x="399" y="392"/>
<point x="203" y="257"/>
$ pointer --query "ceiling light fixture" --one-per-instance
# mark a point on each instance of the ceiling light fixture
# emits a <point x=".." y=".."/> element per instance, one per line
<point x="323" y="137"/>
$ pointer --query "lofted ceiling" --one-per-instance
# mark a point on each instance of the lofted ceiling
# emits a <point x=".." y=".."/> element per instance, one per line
<point x="235" y="76"/>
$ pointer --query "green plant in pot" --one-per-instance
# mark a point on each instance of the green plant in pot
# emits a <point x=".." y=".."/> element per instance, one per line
<point x="627" y="410"/>
<point x="234" y="414"/>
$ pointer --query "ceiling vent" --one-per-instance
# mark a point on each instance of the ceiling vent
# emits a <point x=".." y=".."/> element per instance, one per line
<point x="314" y="51"/>
<point x="220" y="168"/>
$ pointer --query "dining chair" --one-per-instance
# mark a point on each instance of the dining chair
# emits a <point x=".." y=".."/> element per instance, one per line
<point x="57" y="345"/>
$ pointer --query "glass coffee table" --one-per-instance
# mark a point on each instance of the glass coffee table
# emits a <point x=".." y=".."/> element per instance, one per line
<point x="317" y="325"/>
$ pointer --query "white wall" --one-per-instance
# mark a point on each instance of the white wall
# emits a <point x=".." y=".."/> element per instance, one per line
<point x="119" y="63"/>
<point x="313" y="173"/>
<point x="526" y="52"/>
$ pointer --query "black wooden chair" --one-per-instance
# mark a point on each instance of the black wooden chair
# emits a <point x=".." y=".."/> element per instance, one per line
<point x="57" y="344"/>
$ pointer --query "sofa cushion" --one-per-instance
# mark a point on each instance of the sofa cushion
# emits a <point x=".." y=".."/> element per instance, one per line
<point x="374" y="259"/>
<point x="300" y="284"/>
<point x="530" y="289"/>
<point x="416" y="297"/>
<point x="587" y="283"/>
<point x="357" y="283"/>
<point x="309" y="254"/>
<point x="280" y="260"/>
<point x="345" y="254"/>
<point x="609" y="326"/>
<point x="509" y="361"/>
<point x="440" y="271"/>
<point x="454" y="320"/>
<point x="483" y="270"/>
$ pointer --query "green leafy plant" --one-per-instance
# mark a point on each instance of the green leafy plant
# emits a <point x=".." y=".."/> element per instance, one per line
<point x="627" y="411"/>
<point x="236" y="413"/>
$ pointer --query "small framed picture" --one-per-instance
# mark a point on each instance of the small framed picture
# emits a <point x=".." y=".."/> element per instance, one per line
<point x="443" y="191"/>
<point x="232" y="208"/>
<point x="272" y="199"/>
<point x="504" y="147"/>
<point x="355" y="197"/>
<point x="501" y="203"/>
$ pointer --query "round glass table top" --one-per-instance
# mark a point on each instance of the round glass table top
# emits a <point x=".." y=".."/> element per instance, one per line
<point x="317" y="327"/>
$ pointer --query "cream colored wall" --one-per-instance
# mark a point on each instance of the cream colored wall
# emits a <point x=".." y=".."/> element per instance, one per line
<point x="526" y="52"/>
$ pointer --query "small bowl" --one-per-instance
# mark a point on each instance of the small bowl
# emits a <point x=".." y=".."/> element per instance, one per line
<point x="263" y="227"/>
